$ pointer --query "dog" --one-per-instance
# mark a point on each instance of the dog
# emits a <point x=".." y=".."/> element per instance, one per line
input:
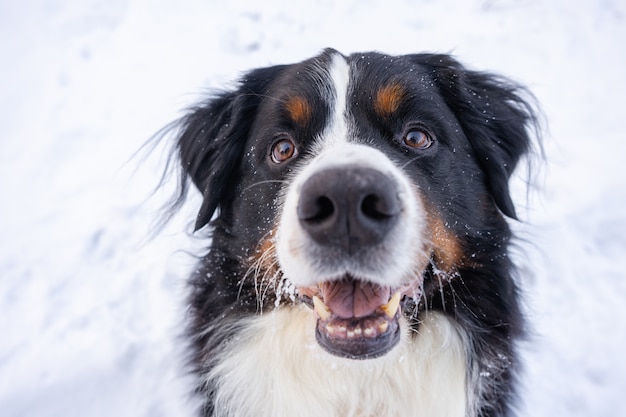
<point x="359" y="259"/>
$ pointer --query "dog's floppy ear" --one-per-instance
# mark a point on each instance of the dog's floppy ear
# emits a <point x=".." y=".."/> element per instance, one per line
<point x="213" y="136"/>
<point x="495" y="118"/>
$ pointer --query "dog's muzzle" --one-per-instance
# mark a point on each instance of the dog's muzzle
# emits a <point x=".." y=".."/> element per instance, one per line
<point x="346" y="211"/>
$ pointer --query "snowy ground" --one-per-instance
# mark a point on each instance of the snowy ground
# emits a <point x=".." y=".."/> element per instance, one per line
<point x="91" y="307"/>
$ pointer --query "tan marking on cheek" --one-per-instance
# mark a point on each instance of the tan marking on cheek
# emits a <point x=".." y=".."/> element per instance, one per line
<point x="264" y="260"/>
<point x="447" y="249"/>
<point x="299" y="110"/>
<point x="388" y="99"/>
<point x="264" y="274"/>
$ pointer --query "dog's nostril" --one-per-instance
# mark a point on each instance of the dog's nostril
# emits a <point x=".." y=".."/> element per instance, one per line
<point x="376" y="208"/>
<point x="322" y="209"/>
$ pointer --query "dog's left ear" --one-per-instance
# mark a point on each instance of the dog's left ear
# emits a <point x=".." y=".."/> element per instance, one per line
<point x="495" y="118"/>
<point x="213" y="136"/>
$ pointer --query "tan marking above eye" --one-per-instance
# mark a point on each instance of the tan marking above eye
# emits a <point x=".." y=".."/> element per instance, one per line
<point x="299" y="110"/>
<point x="388" y="99"/>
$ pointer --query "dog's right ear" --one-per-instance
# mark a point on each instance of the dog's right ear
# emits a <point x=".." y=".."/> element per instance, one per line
<point x="213" y="136"/>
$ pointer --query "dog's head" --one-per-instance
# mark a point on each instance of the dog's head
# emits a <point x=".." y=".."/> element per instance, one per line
<point x="353" y="178"/>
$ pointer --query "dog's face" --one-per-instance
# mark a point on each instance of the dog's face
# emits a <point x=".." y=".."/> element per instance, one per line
<point x="346" y="182"/>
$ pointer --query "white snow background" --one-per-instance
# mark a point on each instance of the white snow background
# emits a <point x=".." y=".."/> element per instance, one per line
<point x="91" y="308"/>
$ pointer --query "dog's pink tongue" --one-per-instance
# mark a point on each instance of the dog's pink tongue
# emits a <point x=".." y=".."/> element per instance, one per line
<point x="348" y="299"/>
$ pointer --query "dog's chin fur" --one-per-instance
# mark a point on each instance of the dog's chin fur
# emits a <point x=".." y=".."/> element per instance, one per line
<point x="276" y="369"/>
<point x="351" y="200"/>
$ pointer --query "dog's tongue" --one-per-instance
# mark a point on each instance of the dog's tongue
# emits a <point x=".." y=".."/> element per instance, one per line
<point x="353" y="299"/>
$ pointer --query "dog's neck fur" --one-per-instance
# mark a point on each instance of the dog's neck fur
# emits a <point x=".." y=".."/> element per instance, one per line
<point x="276" y="369"/>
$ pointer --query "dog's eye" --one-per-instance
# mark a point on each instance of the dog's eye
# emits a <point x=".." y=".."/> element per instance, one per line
<point x="417" y="139"/>
<point x="283" y="150"/>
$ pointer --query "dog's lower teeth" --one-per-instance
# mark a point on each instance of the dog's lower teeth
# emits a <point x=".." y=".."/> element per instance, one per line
<point x="368" y="329"/>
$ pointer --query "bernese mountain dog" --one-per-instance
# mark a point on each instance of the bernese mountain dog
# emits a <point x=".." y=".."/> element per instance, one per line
<point x="359" y="256"/>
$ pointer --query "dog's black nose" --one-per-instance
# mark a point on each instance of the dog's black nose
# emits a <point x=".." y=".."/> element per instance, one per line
<point x="349" y="207"/>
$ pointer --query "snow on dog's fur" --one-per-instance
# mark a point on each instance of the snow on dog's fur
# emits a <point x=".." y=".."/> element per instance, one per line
<point x="358" y="262"/>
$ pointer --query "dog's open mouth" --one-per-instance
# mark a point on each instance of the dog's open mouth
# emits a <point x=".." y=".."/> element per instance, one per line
<point x="356" y="319"/>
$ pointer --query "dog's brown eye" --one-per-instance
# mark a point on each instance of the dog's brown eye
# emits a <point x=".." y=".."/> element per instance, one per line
<point x="417" y="139"/>
<point x="283" y="150"/>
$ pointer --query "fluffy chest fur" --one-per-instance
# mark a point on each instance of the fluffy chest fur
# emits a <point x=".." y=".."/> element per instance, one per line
<point x="276" y="369"/>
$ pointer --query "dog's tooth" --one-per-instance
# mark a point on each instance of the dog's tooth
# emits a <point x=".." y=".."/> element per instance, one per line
<point x="322" y="310"/>
<point x="358" y="331"/>
<point x="391" y="308"/>
<point x="369" y="332"/>
<point x="341" y="331"/>
<point x="383" y="326"/>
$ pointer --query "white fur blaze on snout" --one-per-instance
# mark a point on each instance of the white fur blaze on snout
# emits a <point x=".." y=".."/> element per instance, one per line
<point x="393" y="262"/>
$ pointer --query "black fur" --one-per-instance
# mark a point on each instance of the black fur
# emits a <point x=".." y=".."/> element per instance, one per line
<point x="482" y="125"/>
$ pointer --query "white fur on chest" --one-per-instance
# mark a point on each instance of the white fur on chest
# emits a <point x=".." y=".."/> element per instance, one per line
<point x="275" y="368"/>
